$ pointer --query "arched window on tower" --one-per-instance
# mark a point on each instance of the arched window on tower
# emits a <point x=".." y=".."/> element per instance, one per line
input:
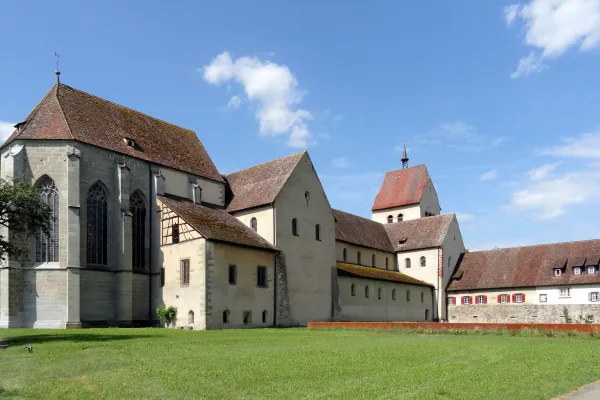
<point x="254" y="224"/>
<point x="46" y="245"/>
<point x="407" y="262"/>
<point x="97" y="225"/>
<point x="423" y="262"/>
<point x="400" y="217"/>
<point x="138" y="229"/>
<point x="390" y="219"/>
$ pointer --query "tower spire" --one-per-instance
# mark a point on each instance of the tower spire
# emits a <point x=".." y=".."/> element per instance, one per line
<point x="57" y="70"/>
<point x="404" y="158"/>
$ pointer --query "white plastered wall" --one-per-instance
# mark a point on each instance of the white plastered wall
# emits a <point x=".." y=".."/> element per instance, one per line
<point x="409" y="212"/>
<point x="264" y="218"/>
<point x="366" y="254"/>
<point x="178" y="183"/>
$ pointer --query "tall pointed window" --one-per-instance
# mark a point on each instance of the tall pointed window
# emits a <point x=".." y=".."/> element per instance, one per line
<point x="46" y="245"/>
<point x="97" y="225"/>
<point x="138" y="229"/>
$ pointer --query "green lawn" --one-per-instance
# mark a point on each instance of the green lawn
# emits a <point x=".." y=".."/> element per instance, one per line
<point x="291" y="363"/>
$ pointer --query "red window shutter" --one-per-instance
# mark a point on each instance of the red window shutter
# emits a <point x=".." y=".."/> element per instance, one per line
<point x="462" y="300"/>
<point x="514" y="298"/>
<point x="484" y="299"/>
<point x="508" y="298"/>
<point x="499" y="298"/>
<point x="523" y="298"/>
<point x="470" y="299"/>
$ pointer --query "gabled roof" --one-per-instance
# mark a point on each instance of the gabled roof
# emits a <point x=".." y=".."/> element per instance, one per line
<point x="259" y="185"/>
<point x="215" y="224"/>
<point x="361" y="231"/>
<point x="360" y="271"/>
<point x="526" y="266"/>
<point x="402" y="187"/>
<point x="68" y="113"/>
<point x="420" y="233"/>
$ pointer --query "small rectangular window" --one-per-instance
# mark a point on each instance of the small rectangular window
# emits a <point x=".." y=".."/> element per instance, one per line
<point x="480" y="299"/>
<point x="518" y="298"/>
<point x="185" y="272"/>
<point x="557" y="272"/>
<point x="591" y="269"/>
<point x="543" y="298"/>
<point x="577" y="271"/>
<point x="162" y="277"/>
<point x="466" y="299"/>
<point x="503" y="298"/>
<point x="565" y="292"/>
<point x="594" y="296"/>
<point x="232" y="274"/>
<point x="175" y="233"/>
<point x="261" y="276"/>
<point x="247" y="317"/>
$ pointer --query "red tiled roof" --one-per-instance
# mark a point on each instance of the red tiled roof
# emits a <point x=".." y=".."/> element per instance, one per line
<point x="361" y="231"/>
<point x="215" y="224"/>
<point x="259" y="185"/>
<point x="420" y="233"/>
<point x="402" y="187"/>
<point x="526" y="266"/>
<point x="360" y="271"/>
<point x="68" y="113"/>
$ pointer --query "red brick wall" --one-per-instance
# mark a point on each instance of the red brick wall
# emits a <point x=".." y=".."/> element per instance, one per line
<point x="436" y="326"/>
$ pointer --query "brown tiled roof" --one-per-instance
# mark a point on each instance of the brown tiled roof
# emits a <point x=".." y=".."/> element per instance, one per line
<point x="402" y="187"/>
<point x="361" y="231"/>
<point x="420" y="233"/>
<point x="68" y="113"/>
<point x="526" y="266"/>
<point x="259" y="185"/>
<point x="376" y="273"/>
<point x="215" y="224"/>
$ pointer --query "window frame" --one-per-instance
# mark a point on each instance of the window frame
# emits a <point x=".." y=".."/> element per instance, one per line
<point x="545" y="298"/>
<point x="592" y="268"/>
<point x="353" y="290"/>
<point x="518" y="297"/>
<point x="175" y="234"/>
<point x="576" y="270"/>
<point x="379" y="294"/>
<point x="367" y="292"/>
<point x="97" y="239"/>
<point x="318" y="232"/>
<point x="47" y="246"/>
<point x="557" y="272"/>
<point x="139" y="211"/>
<point x="594" y="294"/>
<point x="562" y="291"/>
<point x="407" y="263"/>
<point x="254" y="224"/>
<point x="466" y="300"/>
<point x="400" y="217"/>
<point x="408" y="296"/>
<point x="262" y="276"/>
<point x="184" y="272"/>
<point x="295" y="227"/>
<point x="358" y="258"/>
<point x="505" y="298"/>
<point x="393" y="294"/>
<point x="422" y="297"/>
<point x="390" y="219"/>
<point x="423" y="261"/>
<point x="373" y="261"/>
<point x="345" y="254"/>
<point x="480" y="299"/>
<point x="232" y="273"/>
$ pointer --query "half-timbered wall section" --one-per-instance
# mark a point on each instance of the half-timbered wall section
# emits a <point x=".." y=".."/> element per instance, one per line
<point x="172" y="226"/>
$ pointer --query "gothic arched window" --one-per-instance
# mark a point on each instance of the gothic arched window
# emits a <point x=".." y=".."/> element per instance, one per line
<point x="254" y="224"/>
<point x="138" y="230"/>
<point x="97" y="225"/>
<point x="46" y="245"/>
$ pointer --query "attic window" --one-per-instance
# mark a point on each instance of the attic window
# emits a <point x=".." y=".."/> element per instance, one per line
<point x="557" y="272"/>
<point x="132" y="143"/>
<point x="402" y="240"/>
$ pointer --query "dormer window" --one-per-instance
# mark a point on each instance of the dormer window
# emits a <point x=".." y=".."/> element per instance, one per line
<point x="557" y="272"/>
<point x="591" y="269"/>
<point x="133" y="144"/>
<point x="402" y="240"/>
<point x="576" y="270"/>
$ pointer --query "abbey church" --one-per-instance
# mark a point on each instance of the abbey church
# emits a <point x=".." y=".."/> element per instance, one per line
<point x="144" y="218"/>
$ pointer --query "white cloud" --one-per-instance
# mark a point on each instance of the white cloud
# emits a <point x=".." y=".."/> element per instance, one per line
<point x="542" y="172"/>
<point x="528" y="65"/>
<point x="459" y="135"/>
<point x="273" y="88"/>
<point x="234" y="102"/>
<point x="555" y="26"/>
<point x="339" y="162"/>
<point x="586" y="145"/>
<point x="486" y="176"/>
<point x="510" y="13"/>
<point x="6" y="129"/>
<point x="464" y="217"/>
<point x="547" y="196"/>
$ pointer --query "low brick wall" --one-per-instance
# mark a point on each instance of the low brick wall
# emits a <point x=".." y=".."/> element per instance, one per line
<point x="440" y="326"/>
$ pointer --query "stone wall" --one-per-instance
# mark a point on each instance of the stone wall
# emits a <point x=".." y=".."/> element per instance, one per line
<point x="521" y="313"/>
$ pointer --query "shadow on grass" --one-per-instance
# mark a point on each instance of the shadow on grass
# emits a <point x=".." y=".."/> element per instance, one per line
<point x="5" y="394"/>
<point x="70" y="337"/>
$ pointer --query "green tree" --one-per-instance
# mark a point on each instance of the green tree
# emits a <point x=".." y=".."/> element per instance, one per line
<point x="23" y="212"/>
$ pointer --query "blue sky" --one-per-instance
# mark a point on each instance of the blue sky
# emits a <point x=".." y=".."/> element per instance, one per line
<point x="500" y="100"/>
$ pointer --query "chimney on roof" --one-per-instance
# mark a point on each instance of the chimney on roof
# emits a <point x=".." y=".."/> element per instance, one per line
<point x="404" y="158"/>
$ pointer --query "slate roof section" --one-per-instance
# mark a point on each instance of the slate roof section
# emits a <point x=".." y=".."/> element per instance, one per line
<point x="68" y="113"/>
<point x="526" y="266"/>
<point x="402" y="187"/>
<point x="361" y="231"/>
<point x="259" y="185"/>
<point x="420" y="233"/>
<point x="216" y="224"/>
<point x="359" y="271"/>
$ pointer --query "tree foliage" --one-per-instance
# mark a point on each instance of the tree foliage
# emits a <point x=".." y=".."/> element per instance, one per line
<point x="168" y="315"/>
<point x="23" y="212"/>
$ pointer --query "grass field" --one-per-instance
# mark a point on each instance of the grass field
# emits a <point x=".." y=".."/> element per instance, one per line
<point x="291" y="363"/>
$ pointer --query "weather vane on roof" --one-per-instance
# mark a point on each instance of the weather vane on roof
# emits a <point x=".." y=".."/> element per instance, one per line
<point x="57" y="70"/>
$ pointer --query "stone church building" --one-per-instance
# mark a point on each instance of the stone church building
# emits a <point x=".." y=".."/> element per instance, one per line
<point x="144" y="218"/>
